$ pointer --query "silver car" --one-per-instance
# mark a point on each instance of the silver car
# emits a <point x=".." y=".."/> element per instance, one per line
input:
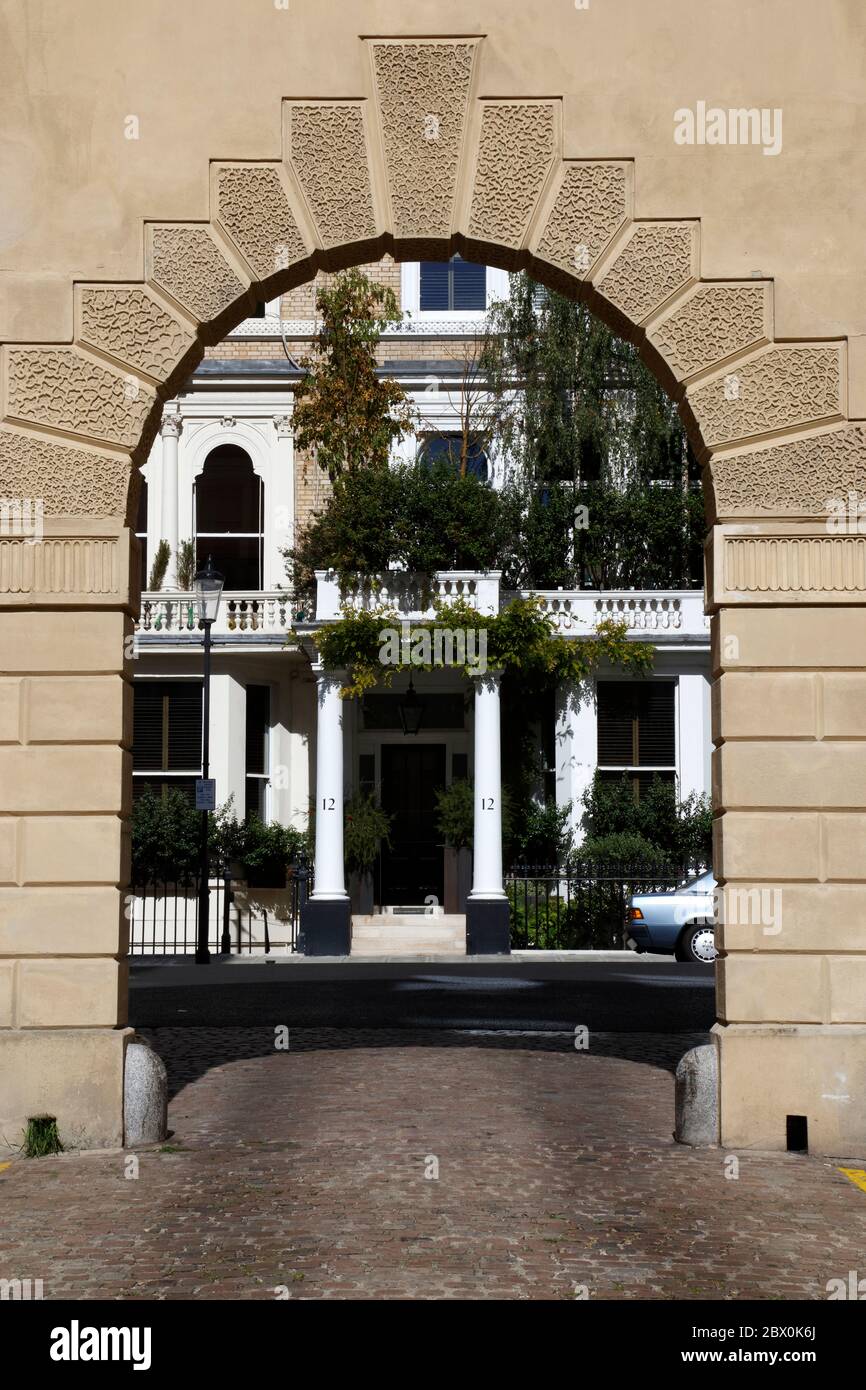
<point x="678" y="921"/>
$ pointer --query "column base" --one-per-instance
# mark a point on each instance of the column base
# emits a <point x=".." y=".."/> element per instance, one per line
<point x="773" y="1077"/>
<point x="326" y="927"/>
<point x="488" y="927"/>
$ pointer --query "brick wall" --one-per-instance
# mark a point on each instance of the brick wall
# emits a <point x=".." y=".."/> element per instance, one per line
<point x="300" y="303"/>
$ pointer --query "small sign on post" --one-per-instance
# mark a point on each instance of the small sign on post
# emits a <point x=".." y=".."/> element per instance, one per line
<point x="205" y="794"/>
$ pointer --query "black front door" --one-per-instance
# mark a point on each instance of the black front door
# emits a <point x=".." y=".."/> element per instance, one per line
<point x="413" y="868"/>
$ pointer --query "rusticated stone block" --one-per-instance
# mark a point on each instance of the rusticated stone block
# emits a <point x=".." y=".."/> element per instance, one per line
<point x="254" y="211"/>
<point x="422" y="91"/>
<point x="127" y="322"/>
<point x="326" y="143"/>
<point x="592" y="202"/>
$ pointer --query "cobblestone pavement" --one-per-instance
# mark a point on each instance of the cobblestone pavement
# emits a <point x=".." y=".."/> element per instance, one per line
<point x="314" y="1170"/>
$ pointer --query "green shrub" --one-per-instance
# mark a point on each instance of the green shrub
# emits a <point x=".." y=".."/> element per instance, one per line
<point x="166" y="831"/>
<point x="367" y="828"/>
<point x="165" y="836"/>
<point x="682" y="830"/>
<point x="540" y="834"/>
<point x="621" y="847"/>
<point x="455" y="814"/>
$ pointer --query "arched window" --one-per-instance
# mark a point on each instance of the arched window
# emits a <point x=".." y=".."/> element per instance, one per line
<point x="229" y="517"/>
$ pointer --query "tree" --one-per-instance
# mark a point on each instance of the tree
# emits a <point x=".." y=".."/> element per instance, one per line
<point x="346" y="415"/>
<point x="419" y="517"/>
<point x="600" y="471"/>
<point x="478" y="413"/>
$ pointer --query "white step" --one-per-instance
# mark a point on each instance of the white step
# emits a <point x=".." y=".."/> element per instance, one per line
<point x="409" y="935"/>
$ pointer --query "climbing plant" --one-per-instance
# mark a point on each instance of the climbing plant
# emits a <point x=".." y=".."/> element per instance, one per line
<point x="370" y="645"/>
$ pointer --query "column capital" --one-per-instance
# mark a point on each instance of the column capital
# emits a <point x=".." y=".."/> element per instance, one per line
<point x="324" y="673"/>
<point x="283" y="426"/>
<point x="172" y="425"/>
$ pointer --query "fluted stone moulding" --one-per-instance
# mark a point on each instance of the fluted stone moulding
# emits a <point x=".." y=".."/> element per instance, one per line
<point x="76" y="560"/>
<point x="776" y="564"/>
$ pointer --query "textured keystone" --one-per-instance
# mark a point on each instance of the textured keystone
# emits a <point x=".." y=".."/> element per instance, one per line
<point x="697" y="1097"/>
<point x="145" y="1096"/>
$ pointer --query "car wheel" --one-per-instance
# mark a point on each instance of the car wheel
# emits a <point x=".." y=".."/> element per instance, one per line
<point x="697" y="944"/>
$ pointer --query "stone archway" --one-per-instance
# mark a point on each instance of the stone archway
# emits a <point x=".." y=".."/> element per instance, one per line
<point x="423" y="164"/>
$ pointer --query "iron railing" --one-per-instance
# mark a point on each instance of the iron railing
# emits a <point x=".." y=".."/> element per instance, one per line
<point x="581" y="905"/>
<point x="163" y="915"/>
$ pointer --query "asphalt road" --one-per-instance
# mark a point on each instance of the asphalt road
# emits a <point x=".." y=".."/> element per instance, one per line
<point x="630" y="996"/>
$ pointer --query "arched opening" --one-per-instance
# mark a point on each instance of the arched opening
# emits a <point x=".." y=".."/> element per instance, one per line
<point x="229" y="503"/>
<point x="769" y="417"/>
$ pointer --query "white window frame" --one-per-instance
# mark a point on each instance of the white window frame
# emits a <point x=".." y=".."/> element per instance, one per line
<point x="410" y="297"/>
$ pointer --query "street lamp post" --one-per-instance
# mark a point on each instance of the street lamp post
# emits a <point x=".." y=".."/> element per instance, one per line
<point x="208" y="586"/>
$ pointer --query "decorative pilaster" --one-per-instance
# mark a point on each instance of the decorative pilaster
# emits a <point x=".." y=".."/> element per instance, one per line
<point x="281" y="513"/>
<point x="172" y="425"/>
<point x="487" y="929"/>
<point x="326" y="919"/>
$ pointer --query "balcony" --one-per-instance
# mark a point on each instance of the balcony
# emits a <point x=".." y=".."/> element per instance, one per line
<point x="248" y="616"/>
<point x="251" y="617"/>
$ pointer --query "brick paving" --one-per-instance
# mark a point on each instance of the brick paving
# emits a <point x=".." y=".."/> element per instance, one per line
<point x="311" y="1169"/>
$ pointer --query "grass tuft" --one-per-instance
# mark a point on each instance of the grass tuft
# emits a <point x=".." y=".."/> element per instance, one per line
<point x="41" y="1137"/>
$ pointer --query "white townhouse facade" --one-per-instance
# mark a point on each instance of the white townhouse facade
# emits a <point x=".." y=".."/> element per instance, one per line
<point x="224" y="479"/>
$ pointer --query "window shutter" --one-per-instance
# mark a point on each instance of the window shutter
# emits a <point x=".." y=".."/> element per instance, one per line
<point x="258" y="725"/>
<point x="656" y="733"/>
<point x="434" y="286"/>
<point x="616" y="713"/>
<point x="147" y="726"/>
<point x="184" y="726"/>
<point x="470" y="285"/>
<point x="636" y="726"/>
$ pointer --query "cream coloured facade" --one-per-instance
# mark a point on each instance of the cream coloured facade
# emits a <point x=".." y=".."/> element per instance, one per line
<point x="143" y="222"/>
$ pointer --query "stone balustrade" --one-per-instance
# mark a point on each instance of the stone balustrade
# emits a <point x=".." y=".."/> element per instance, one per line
<point x="676" y="614"/>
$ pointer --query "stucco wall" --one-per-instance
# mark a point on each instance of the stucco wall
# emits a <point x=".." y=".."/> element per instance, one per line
<point x="205" y="78"/>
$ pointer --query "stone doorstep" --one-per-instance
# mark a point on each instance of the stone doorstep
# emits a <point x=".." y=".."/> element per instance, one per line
<point x="411" y="936"/>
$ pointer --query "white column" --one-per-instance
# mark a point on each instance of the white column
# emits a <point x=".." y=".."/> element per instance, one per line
<point x="693" y="700"/>
<point x="228" y="710"/>
<point x="330" y="880"/>
<point x="171" y="428"/>
<point x="487" y="863"/>
<point x="576" y="749"/>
